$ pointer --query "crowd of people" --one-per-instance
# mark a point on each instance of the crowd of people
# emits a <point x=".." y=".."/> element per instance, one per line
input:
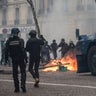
<point x="46" y="49"/>
<point x="38" y="49"/>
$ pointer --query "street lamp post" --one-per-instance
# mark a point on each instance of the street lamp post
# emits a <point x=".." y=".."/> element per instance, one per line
<point x="34" y="16"/>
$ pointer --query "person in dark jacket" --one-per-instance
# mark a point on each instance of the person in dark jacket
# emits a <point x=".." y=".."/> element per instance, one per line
<point x="15" y="49"/>
<point x="64" y="47"/>
<point x="54" y="48"/>
<point x="45" y="53"/>
<point x="33" y="47"/>
<point x="71" y="45"/>
<point x="3" y="55"/>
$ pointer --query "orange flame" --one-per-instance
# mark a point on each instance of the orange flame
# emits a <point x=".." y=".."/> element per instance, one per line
<point x="69" y="61"/>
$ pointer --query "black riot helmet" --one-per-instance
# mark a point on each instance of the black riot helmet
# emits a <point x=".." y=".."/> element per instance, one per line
<point x="32" y="33"/>
<point x="54" y="41"/>
<point x="15" y="31"/>
<point x="62" y="40"/>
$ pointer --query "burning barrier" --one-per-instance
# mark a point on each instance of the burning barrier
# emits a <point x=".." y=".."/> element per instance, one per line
<point x="68" y="62"/>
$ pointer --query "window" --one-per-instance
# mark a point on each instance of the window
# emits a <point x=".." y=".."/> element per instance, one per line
<point x="41" y="6"/>
<point x="66" y="5"/>
<point x="90" y="5"/>
<point x="80" y="6"/>
<point x="4" y="16"/>
<point x="50" y="5"/>
<point x="17" y="16"/>
<point x="29" y="17"/>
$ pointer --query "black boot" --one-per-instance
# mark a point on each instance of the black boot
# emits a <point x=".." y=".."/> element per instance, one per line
<point x="36" y="85"/>
<point x="23" y="88"/>
<point x="16" y="90"/>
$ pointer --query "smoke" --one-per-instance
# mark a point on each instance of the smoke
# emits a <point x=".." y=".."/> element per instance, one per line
<point x="58" y="24"/>
<point x="65" y="18"/>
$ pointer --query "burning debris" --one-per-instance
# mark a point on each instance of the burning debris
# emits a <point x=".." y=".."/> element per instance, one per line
<point x="68" y="62"/>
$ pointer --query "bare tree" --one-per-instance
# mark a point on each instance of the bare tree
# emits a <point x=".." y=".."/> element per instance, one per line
<point x="34" y="16"/>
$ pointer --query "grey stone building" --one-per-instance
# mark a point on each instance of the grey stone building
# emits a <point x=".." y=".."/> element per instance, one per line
<point x="57" y="18"/>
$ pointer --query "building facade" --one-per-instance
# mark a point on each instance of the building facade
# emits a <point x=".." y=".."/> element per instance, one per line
<point x="18" y="13"/>
<point x="57" y="18"/>
<point x="67" y="16"/>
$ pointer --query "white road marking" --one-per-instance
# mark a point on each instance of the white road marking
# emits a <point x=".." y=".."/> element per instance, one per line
<point x="54" y="84"/>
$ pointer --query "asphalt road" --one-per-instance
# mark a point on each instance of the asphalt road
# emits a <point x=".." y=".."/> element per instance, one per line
<point x="52" y="84"/>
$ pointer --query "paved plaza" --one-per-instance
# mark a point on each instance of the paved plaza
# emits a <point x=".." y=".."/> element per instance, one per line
<point x="51" y="84"/>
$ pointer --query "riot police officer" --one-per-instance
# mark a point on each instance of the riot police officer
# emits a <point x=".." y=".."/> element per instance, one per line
<point x="54" y="48"/>
<point x="71" y="45"/>
<point x="15" y="49"/>
<point x="33" y="47"/>
<point x="64" y="47"/>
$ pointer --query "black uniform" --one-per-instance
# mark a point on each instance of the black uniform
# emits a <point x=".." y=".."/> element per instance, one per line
<point x="71" y="45"/>
<point x="64" y="47"/>
<point x="54" y="48"/>
<point x="45" y="53"/>
<point x="33" y="46"/>
<point x="15" y="49"/>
